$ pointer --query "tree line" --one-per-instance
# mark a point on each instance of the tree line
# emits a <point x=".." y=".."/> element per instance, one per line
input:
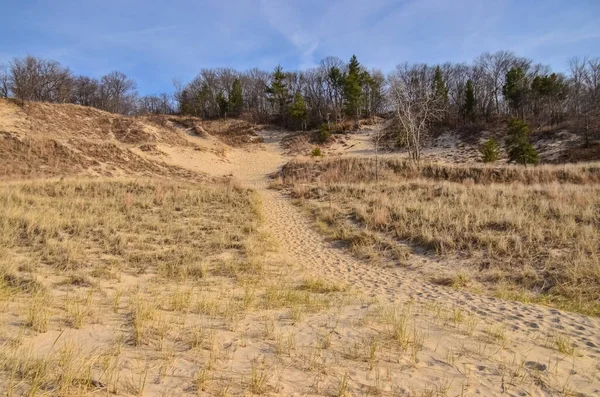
<point x="38" y="79"/>
<point x="294" y="99"/>
<point x="454" y="94"/>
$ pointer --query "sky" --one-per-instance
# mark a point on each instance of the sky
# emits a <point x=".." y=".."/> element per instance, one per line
<point x="156" y="41"/>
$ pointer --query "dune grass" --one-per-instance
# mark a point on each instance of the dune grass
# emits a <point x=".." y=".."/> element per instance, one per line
<point x="528" y="233"/>
<point x="155" y="287"/>
<point x="107" y="285"/>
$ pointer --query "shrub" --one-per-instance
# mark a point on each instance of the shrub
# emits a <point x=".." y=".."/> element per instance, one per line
<point x="490" y="151"/>
<point x="520" y="150"/>
<point x="316" y="152"/>
<point x="323" y="134"/>
<point x="401" y="141"/>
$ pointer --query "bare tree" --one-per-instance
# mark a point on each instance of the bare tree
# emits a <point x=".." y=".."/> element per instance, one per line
<point x="549" y="98"/>
<point x="37" y="79"/>
<point x="86" y="91"/>
<point x="416" y="104"/>
<point x="334" y="68"/>
<point x="166" y="103"/>
<point x="157" y="104"/>
<point x="491" y="72"/>
<point x="456" y="77"/>
<point x="117" y="93"/>
<point x="255" y="83"/>
<point x="4" y="81"/>
<point x="584" y="98"/>
<point x="374" y="93"/>
<point x="149" y="104"/>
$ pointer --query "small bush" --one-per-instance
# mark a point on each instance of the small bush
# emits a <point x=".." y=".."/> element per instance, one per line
<point x="490" y="151"/>
<point x="323" y="134"/>
<point x="401" y="141"/>
<point x="316" y="152"/>
<point x="520" y="150"/>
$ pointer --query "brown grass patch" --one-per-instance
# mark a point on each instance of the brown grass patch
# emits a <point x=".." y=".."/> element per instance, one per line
<point x="354" y="170"/>
<point x="535" y="229"/>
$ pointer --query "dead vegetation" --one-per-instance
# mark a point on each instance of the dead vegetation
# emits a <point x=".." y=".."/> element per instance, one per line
<point x="170" y="286"/>
<point x="119" y="257"/>
<point x="44" y="139"/>
<point x="303" y="142"/>
<point x="528" y="233"/>
<point x="233" y="132"/>
<point x="66" y="120"/>
<point x="353" y="170"/>
<point x="155" y="287"/>
<point x="34" y="157"/>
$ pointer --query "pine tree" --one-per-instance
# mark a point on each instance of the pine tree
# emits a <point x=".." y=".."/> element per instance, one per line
<point x="236" y="99"/>
<point x="490" y="151"/>
<point x="375" y="98"/>
<point x="222" y="103"/>
<point x="515" y="89"/>
<point x="335" y="82"/>
<point x="185" y="107"/>
<point x="439" y="86"/>
<point x="547" y="92"/>
<point x="204" y="101"/>
<point x="520" y="149"/>
<point x="469" y="106"/>
<point x="353" y="92"/>
<point x="298" y="110"/>
<point x="278" y="92"/>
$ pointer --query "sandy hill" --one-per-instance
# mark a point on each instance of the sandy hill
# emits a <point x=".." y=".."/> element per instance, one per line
<point x="41" y="139"/>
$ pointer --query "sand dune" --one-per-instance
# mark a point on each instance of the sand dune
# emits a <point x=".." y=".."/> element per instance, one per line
<point x="188" y="274"/>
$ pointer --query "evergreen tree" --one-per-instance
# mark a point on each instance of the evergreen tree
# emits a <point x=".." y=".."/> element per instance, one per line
<point x="185" y="106"/>
<point x="375" y="97"/>
<point x="439" y="86"/>
<point x="335" y="83"/>
<point x="236" y="99"/>
<point x="520" y="149"/>
<point x="278" y="92"/>
<point x="323" y="134"/>
<point x="204" y="102"/>
<point x="515" y="89"/>
<point x="547" y="92"/>
<point x="298" y="110"/>
<point x="469" y="106"/>
<point x="353" y="92"/>
<point x="490" y="151"/>
<point x="223" y="104"/>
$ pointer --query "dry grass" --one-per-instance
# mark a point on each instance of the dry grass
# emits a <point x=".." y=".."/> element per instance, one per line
<point x="233" y="132"/>
<point x="161" y="287"/>
<point x="134" y="287"/>
<point x="355" y="170"/>
<point x="38" y="156"/>
<point x="51" y="140"/>
<point x="67" y="245"/>
<point x="67" y="120"/>
<point x="151" y="287"/>
<point x="535" y="238"/>
<point x="93" y="225"/>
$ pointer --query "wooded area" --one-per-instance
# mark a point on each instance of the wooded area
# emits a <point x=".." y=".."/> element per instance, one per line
<point x="454" y="94"/>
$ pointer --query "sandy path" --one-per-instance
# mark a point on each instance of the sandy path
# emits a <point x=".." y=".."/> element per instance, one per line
<point x="309" y="248"/>
<point x="301" y="244"/>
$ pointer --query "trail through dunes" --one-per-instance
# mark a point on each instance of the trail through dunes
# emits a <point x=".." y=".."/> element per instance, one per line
<point x="562" y="348"/>
<point x="168" y="283"/>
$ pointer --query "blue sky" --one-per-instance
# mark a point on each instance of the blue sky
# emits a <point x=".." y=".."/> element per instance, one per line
<point x="155" y="41"/>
